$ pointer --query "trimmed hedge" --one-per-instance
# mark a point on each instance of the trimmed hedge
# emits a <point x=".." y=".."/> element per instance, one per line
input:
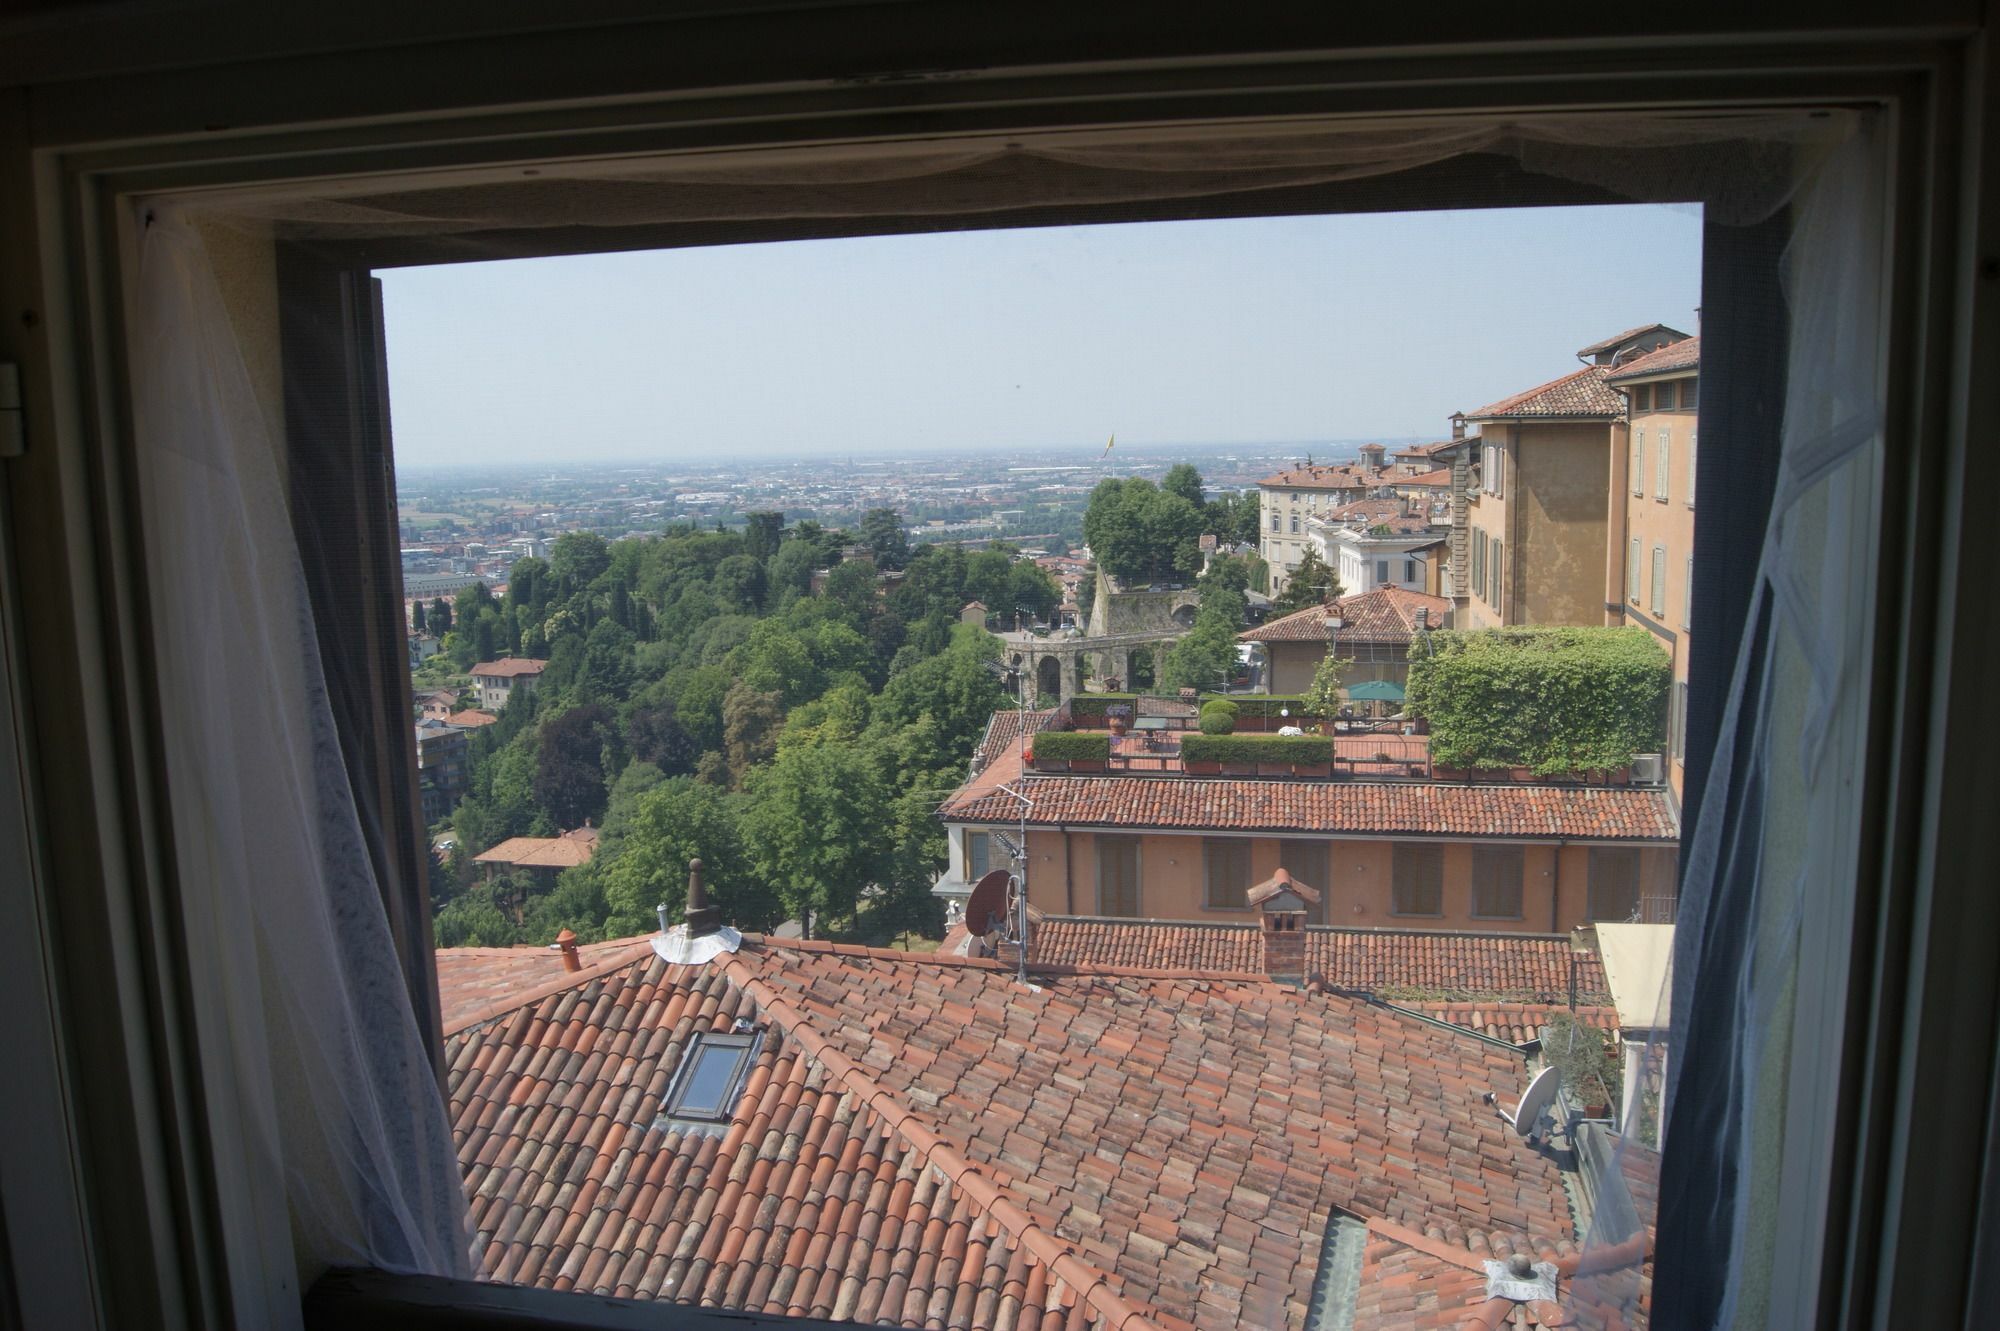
<point x="1092" y="705"/>
<point x="1301" y="750"/>
<point x="1261" y="705"/>
<point x="1218" y="717"/>
<point x="1551" y="700"/>
<point x="1067" y="746"/>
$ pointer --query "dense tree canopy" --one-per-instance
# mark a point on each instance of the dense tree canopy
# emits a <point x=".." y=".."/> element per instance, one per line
<point x="1141" y="533"/>
<point x="701" y="700"/>
<point x="1313" y="582"/>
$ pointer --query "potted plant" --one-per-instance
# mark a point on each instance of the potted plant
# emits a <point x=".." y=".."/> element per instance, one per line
<point x="1119" y="717"/>
<point x="1590" y="1070"/>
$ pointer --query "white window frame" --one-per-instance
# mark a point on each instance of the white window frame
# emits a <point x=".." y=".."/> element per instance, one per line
<point x="1639" y="464"/>
<point x="1658" y="601"/>
<point x="1663" y="465"/>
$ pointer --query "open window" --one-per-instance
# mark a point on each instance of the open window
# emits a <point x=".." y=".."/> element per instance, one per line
<point x="296" y="302"/>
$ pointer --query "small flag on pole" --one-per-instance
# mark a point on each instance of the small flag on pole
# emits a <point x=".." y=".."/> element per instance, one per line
<point x="1107" y="448"/>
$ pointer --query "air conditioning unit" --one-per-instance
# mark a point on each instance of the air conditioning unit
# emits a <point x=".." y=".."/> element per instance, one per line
<point x="1648" y="769"/>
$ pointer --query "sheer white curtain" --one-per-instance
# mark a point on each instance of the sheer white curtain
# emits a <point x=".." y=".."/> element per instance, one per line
<point x="320" y="1072"/>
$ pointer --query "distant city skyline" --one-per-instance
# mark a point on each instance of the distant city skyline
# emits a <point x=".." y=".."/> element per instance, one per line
<point x="1262" y="332"/>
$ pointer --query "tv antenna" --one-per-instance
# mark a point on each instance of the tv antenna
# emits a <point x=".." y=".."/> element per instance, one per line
<point x="1528" y="1115"/>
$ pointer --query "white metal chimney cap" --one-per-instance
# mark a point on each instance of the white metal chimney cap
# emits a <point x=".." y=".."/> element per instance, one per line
<point x="675" y="945"/>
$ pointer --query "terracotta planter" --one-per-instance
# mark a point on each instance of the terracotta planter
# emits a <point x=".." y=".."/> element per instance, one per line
<point x="1312" y="769"/>
<point x="1202" y="768"/>
<point x="1088" y="765"/>
<point x="1117" y="726"/>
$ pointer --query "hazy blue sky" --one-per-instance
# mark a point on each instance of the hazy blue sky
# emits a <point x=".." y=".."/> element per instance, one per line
<point x="1263" y="330"/>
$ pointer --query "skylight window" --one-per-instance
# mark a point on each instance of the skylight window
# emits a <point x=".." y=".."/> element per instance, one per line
<point x="710" y="1079"/>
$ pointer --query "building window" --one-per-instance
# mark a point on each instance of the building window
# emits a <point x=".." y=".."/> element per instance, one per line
<point x="978" y="855"/>
<point x="1478" y="562"/>
<point x="1661" y="467"/>
<point x="1688" y="387"/>
<point x="1692" y="437"/>
<point x="1663" y="400"/>
<point x="1417" y="886"/>
<point x="1309" y="862"/>
<point x="1295" y="524"/>
<point x="1409" y="570"/>
<point x="1614" y="884"/>
<point x="1499" y="471"/>
<point x="1642" y="398"/>
<point x="1687" y="597"/>
<point x="711" y="1076"/>
<point x="1118" y="876"/>
<point x="1493" y="574"/>
<point x="1381" y="570"/>
<point x="1226" y="870"/>
<point x="1659" y="601"/>
<point x="1496" y="882"/>
<point x="1276" y="526"/>
<point x="1632" y="574"/>
<point x="1639" y="462"/>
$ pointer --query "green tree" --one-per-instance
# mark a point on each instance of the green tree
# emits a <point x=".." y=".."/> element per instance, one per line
<point x="1182" y="479"/>
<point x="813" y="828"/>
<point x="439" y="622"/>
<point x="679" y="820"/>
<point x="739" y="583"/>
<point x="570" y="764"/>
<point x="955" y="688"/>
<point x="750" y="724"/>
<point x="1138" y="532"/>
<point x="882" y="532"/>
<point x="1313" y="582"/>
<point x="763" y="532"/>
<point x="788" y="573"/>
<point x="576" y="559"/>
<point x="654" y="737"/>
<point x="1322" y="696"/>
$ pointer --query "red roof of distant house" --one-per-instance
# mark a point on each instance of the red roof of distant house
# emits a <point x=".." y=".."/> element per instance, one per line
<point x="923" y="1141"/>
<point x="1440" y="476"/>
<point x="1578" y="395"/>
<point x="1610" y="343"/>
<point x="1434" y="964"/>
<point x="471" y="719"/>
<point x="538" y="852"/>
<point x="1682" y="355"/>
<point x="1481" y="812"/>
<point x="1386" y="614"/>
<point x="508" y="667"/>
<point x="1327" y="476"/>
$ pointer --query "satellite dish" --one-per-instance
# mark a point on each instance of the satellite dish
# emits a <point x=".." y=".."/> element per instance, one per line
<point x="1535" y="1101"/>
<point x="986" y="908"/>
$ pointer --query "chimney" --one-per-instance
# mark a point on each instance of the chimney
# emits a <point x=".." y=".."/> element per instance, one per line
<point x="567" y="942"/>
<point x="1458" y="425"/>
<point x="1281" y="906"/>
<point x="702" y="918"/>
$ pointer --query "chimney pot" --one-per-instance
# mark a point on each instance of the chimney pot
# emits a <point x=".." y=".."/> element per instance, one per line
<point x="702" y="918"/>
<point x="567" y="942"/>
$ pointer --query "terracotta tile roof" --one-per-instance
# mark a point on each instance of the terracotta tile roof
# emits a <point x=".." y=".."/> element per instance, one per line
<point x="1424" y="452"/>
<point x="1439" y="476"/>
<point x="1327" y="476"/>
<point x="478" y="983"/>
<point x="1494" y="812"/>
<point x="1682" y="355"/>
<point x="1399" y="963"/>
<point x="471" y="719"/>
<point x="509" y="666"/>
<point x="1579" y="394"/>
<point x="1516" y="1023"/>
<point x="1414" y="1281"/>
<point x="1002" y="729"/>
<point x="1386" y="614"/>
<point x="536" y="852"/>
<point x="1611" y="343"/>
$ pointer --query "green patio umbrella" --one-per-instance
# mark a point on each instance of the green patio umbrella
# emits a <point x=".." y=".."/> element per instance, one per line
<point x="1376" y="690"/>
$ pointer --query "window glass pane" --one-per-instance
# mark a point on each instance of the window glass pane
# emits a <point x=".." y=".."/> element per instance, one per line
<point x="1308" y="862"/>
<point x="1496" y="882"/>
<point x="1381" y="570"/>
<point x="1118" y="876"/>
<point x="1688" y="387"/>
<point x="1418" y="886"/>
<point x="1642" y="397"/>
<point x="978" y="847"/>
<point x="711" y="1082"/>
<point x="1614" y="884"/>
<point x="1664" y="399"/>
<point x="1227" y="861"/>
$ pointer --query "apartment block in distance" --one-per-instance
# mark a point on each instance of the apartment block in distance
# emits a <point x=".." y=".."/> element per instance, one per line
<point x="1651" y="524"/>
<point x="1536" y="517"/>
